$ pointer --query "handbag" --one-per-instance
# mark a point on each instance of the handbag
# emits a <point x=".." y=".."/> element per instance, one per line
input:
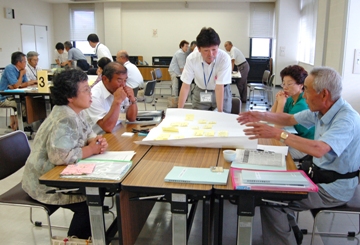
<point x="59" y="240"/>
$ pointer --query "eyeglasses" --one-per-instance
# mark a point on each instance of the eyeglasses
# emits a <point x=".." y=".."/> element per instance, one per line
<point x="283" y="85"/>
<point x="87" y="90"/>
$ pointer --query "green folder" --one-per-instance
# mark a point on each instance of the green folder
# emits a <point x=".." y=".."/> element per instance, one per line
<point x="197" y="176"/>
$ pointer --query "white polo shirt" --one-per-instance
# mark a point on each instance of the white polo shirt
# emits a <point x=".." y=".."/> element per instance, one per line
<point x="135" y="79"/>
<point x="61" y="57"/>
<point x="237" y="55"/>
<point x="207" y="75"/>
<point x="31" y="72"/>
<point x="102" y="51"/>
<point x="102" y="100"/>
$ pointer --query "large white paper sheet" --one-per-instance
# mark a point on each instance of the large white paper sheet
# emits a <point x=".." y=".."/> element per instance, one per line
<point x="113" y="155"/>
<point x="219" y="123"/>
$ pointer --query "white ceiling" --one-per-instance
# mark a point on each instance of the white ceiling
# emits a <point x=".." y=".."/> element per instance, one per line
<point x="99" y="1"/>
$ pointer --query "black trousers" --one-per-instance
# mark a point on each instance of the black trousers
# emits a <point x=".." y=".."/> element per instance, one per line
<point x="83" y="65"/>
<point x="80" y="223"/>
<point x="244" y="69"/>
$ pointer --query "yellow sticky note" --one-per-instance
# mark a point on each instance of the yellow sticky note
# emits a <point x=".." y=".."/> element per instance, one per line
<point x="202" y="121"/>
<point x="199" y="133"/>
<point x="189" y="117"/>
<point x="163" y="137"/>
<point x="178" y="136"/>
<point x="209" y="133"/>
<point x="223" y="133"/>
<point x="170" y="129"/>
<point x="211" y="122"/>
<point x="184" y="124"/>
<point x="208" y="126"/>
<point x="195" y="127"/>
<point x="175" y="124"/>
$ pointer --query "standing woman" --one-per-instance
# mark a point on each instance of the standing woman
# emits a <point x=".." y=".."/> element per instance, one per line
<point x="65" y="137"/>
<point x="290" y="100"/>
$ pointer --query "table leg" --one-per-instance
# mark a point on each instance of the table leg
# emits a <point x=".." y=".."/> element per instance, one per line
<point x="47" y="105"/>
<point x="95" y="203"/>
<point x="218" y="222"/>
<point x="207" y="221"/>
<point x="19" y="112"/>
<point x="179" y="209"/>
<point x="246" y="211"/>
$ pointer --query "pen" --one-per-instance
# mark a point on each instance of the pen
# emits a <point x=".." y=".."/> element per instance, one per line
<point x="148" y="197"/>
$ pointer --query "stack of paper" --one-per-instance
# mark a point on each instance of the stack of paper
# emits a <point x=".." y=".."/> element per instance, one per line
<point x="295" y="180"/>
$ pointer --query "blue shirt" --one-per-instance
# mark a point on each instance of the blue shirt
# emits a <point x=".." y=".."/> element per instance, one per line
<point x="75" y="54"/>
<point x="9" y="77"/>
<point x="340" y="129"/>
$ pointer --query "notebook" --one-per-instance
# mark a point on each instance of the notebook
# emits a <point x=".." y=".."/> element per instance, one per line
<point x="78" y="169"/>
<point x="197" y="176"/>
<point x="259" y="159"/>
<point x="295" y="180"/>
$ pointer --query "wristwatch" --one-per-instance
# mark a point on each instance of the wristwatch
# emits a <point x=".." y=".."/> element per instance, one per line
<point x="134" y="102"/>
<point x="283" y="136"/>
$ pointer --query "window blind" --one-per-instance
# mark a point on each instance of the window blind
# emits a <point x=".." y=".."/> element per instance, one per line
<point x="262" y="20"/>
<point x="82" y="21"/>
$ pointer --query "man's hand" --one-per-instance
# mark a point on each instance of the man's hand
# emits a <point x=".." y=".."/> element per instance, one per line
<point x="250" y="116"/>
<point x="130" y="93"/>
<point x="261" y="130"/>
<point x="22" y="73"/>
<point x="119" y="95"/>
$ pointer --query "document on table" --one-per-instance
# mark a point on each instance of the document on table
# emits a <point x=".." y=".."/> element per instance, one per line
<point x="259" y="159"/>
<point x="113" y="155"/>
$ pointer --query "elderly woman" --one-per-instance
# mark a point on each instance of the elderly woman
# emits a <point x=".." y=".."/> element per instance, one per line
<point x="64" y="138"/>
<point x="290" y="100"/>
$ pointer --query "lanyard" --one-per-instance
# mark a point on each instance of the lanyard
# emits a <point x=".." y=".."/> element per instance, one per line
<point x="212" y="69"/>
<point x="31" y="69"/>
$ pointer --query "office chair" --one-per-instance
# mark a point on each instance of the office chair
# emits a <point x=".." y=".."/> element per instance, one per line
<point x="14" y="151"/>
<point x="235" y="105"/>
<point x="157" y="74"/>
<point x="149" y="92"/>
<point x="265" y="92"/>
<point x="352" y="207"/>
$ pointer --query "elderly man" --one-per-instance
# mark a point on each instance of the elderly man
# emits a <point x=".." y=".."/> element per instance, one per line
<point x="238" y="59"/>
<point x="334" y="150"/>
<point x="177" y="65"/>
<point x="211" y="70"/>
<point x="31" y="66"/>
<point x="14" y="76"/>
<point x="112" y="100"/>
<point x="134" y="78"/>
<point x="76" y="56"/>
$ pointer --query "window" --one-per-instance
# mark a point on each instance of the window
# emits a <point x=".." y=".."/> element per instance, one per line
<point x="261" y="29"/>
<point x="307" y="31"/>
<point x="260" y="47"/>
<point x="82" y="22"/>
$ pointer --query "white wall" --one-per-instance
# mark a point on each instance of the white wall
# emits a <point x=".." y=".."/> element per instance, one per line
<point x="351" y="82"/>
<point x="32" y="12"/>
<point x="287" y="35"/>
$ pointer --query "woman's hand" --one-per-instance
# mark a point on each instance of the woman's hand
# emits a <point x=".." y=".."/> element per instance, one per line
<point x="98" y="145"/>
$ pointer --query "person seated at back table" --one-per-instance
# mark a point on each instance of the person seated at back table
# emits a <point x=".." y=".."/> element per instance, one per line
<point x="14" y="76"/>
<point x="113" y="101"/>
<point x="290" y="100"/>
<point x="101" y="64"/>
<point x="32" y="65"/>
<point x="64" y="138"/>
<point x="61" y="55"/>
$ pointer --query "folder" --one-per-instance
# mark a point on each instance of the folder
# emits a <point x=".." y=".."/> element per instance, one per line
<point x="294" y="180"/>
<point x="197" y="176"/>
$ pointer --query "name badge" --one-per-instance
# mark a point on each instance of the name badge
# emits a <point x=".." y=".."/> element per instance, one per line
<point x="206" y="97"/>
<point x="42" y="81"/>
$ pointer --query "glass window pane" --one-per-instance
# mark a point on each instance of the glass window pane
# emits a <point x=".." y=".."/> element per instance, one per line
<point x="260" y="47"/>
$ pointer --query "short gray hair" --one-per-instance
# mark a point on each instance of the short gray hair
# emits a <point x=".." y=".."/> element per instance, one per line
<point x="327" y="78"/>
<point x="31" y="54"/>
<point x="68" y="44"/>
